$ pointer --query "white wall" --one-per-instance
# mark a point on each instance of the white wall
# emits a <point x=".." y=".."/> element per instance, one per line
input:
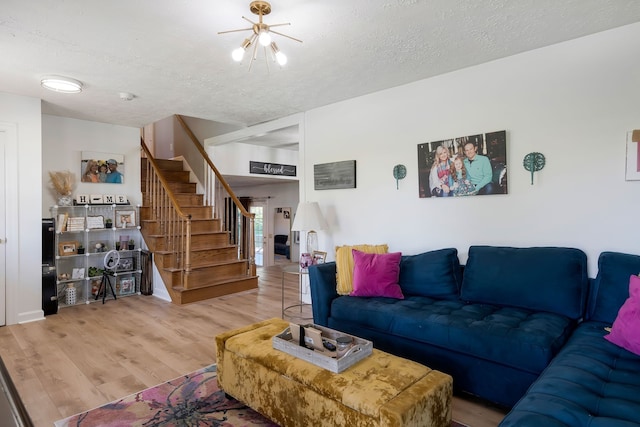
<point x="234" y="158"/>
<point x="24" y="199"/>
<point x="574" y="102"/>
<point x="63" y="141"/>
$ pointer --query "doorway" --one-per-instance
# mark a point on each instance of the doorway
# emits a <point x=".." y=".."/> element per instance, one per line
<point x="258" y="209"/>
<point x="282" y="235"/>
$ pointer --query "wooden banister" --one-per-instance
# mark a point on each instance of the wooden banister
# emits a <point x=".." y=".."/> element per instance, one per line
<point x="245" y="239"/>
<point x="205" y="156"/>
<point x="175" y="224"/>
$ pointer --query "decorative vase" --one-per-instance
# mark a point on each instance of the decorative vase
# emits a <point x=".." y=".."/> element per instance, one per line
<point x="65" y="200"/>
<point x="70" y="294"/>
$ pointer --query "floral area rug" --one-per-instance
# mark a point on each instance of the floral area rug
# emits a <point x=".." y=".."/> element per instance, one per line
<point x="191" y="400"/>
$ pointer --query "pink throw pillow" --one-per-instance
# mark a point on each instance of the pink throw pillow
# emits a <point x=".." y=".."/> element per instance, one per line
<point x="376" y="275"/>
<point x="625" y="331"/>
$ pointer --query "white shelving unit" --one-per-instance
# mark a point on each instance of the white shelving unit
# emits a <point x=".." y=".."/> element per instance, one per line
<point x="81" y="243"/>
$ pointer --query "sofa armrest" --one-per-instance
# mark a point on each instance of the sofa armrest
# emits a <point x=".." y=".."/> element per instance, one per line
<point x="322" y="280"/>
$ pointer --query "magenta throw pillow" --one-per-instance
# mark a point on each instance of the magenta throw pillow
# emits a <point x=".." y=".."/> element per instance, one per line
<point x="625" y="331"/>
<point x="376" y="275"/>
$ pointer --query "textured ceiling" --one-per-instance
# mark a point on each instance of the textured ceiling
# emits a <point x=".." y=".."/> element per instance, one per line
<point x="168" y="53"/>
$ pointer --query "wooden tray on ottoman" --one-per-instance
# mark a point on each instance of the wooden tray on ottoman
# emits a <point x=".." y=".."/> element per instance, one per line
<point x="360" y="349"/>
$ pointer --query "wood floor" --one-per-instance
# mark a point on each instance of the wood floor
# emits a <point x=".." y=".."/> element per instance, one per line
<point x="86" y="356"/>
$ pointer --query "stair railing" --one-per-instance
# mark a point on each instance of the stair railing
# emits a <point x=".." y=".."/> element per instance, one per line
<point x="173" y="223"/>
<point x="235" y="219"/>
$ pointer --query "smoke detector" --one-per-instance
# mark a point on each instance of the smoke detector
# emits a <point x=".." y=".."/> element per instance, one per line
<point x="126" y="96"/>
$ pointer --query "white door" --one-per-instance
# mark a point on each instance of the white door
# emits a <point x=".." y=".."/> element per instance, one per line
<point x="259" y="235"/>
<point x="3" y="231"/>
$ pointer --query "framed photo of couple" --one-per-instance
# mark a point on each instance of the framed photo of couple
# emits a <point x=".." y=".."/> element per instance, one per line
<point x="473" y="165"/>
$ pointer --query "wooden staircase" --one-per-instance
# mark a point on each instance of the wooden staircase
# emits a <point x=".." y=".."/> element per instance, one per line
<point x="216" y="268"/>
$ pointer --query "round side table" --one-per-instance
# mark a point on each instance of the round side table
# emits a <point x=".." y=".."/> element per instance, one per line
<point x="300" y="310"/>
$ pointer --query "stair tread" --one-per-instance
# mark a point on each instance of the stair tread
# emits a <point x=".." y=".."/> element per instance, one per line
<point x="165" y="252"/>
<point x="192" y="220"/>
<point x="195" y="233"/>
<point x="211" y="264"/>
<point x="215" y="283"/>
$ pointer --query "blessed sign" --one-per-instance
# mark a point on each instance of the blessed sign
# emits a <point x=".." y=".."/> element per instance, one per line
<point x="272" y="169"/>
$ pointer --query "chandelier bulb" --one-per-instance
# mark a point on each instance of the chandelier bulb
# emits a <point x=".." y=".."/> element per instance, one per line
<point x="264" y="38"/>
<point x="237" y="54"/>
<point x="281" y="58"/>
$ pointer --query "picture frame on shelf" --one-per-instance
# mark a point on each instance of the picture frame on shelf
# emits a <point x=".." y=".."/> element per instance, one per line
<point x="95" y="222"/>
<point x="77" y="273"/>
<point x="319" y="257"/>
<point x="68" y="248"/>
<point x="125" y="264"/>
<point x="125" y="219"/>
<point x="127" y="285"/>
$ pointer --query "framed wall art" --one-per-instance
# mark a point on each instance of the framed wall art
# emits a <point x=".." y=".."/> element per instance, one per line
<point x="334" y="176"/>
<point x="471" y="165"/>
<point x="105" y="168"/>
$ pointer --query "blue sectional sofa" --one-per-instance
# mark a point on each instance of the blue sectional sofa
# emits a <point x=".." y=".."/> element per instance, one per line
<point x="591" y="382"/>
<point x="499" y="324"/>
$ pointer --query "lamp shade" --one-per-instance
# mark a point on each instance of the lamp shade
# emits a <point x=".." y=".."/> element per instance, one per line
<point x="308" y="217"/>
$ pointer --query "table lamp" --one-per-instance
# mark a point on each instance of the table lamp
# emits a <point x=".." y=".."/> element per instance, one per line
<point x="309" y="218"/>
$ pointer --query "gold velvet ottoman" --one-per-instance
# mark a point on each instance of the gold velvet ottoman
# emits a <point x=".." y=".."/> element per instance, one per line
<point x="381" y="390"/>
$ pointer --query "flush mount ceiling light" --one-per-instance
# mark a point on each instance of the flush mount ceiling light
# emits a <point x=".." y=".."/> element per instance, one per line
<point x="261" y="35"/>
<point x="61" y="84"/>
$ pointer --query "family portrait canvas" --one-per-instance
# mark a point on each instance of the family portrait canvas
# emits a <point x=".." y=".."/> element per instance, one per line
<point x="472" y="165"/>
<point x="102" y="168"/>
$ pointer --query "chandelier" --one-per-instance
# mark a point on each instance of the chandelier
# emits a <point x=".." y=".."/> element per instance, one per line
<point x="261" y="36"/>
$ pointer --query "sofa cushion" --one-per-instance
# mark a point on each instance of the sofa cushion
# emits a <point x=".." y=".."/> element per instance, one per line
<point x="344" y="264"/>
<point x="591" y="382"/>
<point x="376" y="275"/>
<point x="280" y="239"/>
<point x="540" y="279"/>
<point x="431" y="274"/>
<point x="514" y="337"/>
<point x="611" y="286"/>
<point x="626" y="328"/>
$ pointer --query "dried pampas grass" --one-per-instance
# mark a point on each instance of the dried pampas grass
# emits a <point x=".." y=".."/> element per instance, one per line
<point x="62" y="182"/>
